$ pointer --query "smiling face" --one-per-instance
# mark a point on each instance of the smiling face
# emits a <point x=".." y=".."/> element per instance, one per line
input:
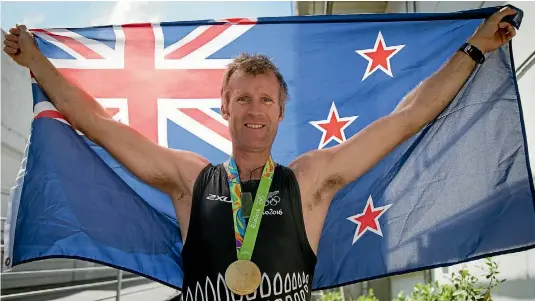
<point x="253" y="110"/>
<point x="253" y="103"/>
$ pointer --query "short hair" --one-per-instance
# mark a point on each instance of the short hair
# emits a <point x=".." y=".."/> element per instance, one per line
<point x="254" y="64"/>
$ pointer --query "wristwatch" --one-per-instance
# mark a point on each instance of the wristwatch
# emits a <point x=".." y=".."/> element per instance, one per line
<point x="473" y="52"/>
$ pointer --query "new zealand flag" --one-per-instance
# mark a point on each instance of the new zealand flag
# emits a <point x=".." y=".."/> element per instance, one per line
<point x="459" y="190"/>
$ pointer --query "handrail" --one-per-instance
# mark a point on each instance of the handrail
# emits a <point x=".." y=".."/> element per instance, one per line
<point x="119" y="285"/>
<point x="119" y="281"/>
<point x="82" y="269"/>
<point x="73" y="287"/>
<point x="526" y="65"/>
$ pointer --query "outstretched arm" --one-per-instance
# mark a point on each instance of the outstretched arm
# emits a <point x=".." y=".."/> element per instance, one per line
<point x="171" y="171"/>
<point x="322" y="173"/>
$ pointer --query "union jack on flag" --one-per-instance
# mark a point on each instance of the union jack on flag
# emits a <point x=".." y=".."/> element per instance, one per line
<point x="419" y="207"/>
<point x="147" y="75"/>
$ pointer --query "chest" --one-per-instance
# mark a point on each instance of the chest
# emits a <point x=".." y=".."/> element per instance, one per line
<point x="277" y="213"/>
<point x="280" y="249"/>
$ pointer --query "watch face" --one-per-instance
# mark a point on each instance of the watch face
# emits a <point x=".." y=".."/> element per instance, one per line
<point x="470" y="48"/>
<point x="467" y="47"/>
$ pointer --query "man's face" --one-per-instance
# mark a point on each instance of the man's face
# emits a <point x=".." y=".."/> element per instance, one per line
<point x="253" y="110"/>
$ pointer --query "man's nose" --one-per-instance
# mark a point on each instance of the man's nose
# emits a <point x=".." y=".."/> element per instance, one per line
<point x="256" y="108"/>
<point x="255" y="113"/>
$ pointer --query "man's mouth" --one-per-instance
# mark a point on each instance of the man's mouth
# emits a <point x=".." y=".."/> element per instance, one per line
<point x="254" y="125"/>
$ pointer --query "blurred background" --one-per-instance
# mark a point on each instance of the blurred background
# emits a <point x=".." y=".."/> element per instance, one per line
<point x="63" y="279"/>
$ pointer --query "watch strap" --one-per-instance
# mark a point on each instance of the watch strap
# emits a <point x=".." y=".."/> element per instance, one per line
<point x="473" y="52"/>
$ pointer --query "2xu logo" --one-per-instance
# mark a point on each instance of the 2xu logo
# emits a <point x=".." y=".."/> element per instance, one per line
<point x="213" y="197"/>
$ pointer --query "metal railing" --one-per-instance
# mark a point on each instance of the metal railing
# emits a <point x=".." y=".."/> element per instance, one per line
<point x="119" y="281"/>
<point x="56" y="271"/>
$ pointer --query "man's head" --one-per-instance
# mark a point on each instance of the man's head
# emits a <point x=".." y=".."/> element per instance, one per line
<point x="253" y="96"/>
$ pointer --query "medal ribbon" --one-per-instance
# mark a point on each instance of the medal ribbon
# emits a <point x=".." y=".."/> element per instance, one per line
<point x="245" y="239"/>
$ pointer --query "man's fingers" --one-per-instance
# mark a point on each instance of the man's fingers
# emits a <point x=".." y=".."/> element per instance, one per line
<point x="22" y="28"/>
<point x="511" y="32"/>
<point x="507" y="28"/>
<point x="11" y="37"/>
<point x="10" y="50"/>
<point x="11" y="44"/>
<point x="506" y="31"/>
<point x="14" y="31"/>
<point x="502" y="13"/>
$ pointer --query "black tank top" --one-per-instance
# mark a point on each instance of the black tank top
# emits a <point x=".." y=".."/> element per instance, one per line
<point x="282" y="251"/>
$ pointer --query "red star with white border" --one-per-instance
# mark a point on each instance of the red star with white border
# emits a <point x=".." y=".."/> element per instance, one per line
<point x="333" y="127"/>
<point x="368" y="220"/>
<point x="379" y="56"/>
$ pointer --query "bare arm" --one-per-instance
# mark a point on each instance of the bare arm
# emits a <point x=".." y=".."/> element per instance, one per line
<point x="152" y="163"/>
<point x="322" y="173"/>
<point x="171" y="171"/>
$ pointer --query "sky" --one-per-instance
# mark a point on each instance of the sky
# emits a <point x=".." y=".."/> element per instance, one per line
<point x="68" y="14"/>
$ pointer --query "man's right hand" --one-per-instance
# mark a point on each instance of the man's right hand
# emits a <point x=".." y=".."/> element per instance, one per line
<point x="20" y="45"/>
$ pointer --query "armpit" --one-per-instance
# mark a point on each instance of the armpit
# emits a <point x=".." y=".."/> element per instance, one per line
<point x="326" y="191"/>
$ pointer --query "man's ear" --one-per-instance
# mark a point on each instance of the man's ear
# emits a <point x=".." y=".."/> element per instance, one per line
<point x="281" y="113"/>
<point x="224" y="112"/>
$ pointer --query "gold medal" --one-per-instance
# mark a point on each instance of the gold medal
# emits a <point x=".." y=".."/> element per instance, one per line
<point x="243" y="277"/>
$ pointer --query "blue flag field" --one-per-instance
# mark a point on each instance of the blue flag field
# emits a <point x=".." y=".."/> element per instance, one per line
<point x="459" y="190"/>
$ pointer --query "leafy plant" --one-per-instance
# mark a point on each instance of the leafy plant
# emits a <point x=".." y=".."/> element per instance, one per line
<point x="463" y="286"/>
<point x="337" y="296"/>
<point x="332" y="296"/>
<point x="369" y="297"/>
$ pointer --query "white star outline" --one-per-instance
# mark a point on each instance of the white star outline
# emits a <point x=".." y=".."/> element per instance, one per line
<point x="376" y="219"/>
<point x="362" y="52"/>
<point x="317" y="123"/>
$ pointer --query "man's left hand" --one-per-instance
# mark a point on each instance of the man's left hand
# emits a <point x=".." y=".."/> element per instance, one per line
<point x="494" y="32"/>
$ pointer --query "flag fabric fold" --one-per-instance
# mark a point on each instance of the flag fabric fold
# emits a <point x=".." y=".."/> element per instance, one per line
<point x="459" y="190"/>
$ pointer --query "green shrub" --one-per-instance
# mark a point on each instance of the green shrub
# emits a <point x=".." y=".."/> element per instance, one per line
<point x="337" y="296"/>
<point x="332" y="296"/>
<point x="463" y="286"/>
<point x="369" y="297"/>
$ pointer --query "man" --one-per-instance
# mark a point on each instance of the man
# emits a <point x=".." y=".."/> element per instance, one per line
<point x="231" y="243"/>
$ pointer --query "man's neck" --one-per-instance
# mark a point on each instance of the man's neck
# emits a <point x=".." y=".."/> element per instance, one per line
<point x="250" y="165"/>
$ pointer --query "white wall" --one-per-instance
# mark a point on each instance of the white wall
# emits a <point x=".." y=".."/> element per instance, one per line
<point x="523" y="46"/>
<point x="16" y="118"/>
<point x="405" y="283"/>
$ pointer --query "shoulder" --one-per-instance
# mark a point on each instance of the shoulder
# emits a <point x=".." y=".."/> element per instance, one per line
<point x="209" y="172"/>
<point x="284" y="171"/>
<point x="311" y="166"/>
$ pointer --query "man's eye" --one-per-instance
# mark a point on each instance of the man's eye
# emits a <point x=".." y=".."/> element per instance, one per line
<point x="242" y="99"/>
<point x="265" y="99"/>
